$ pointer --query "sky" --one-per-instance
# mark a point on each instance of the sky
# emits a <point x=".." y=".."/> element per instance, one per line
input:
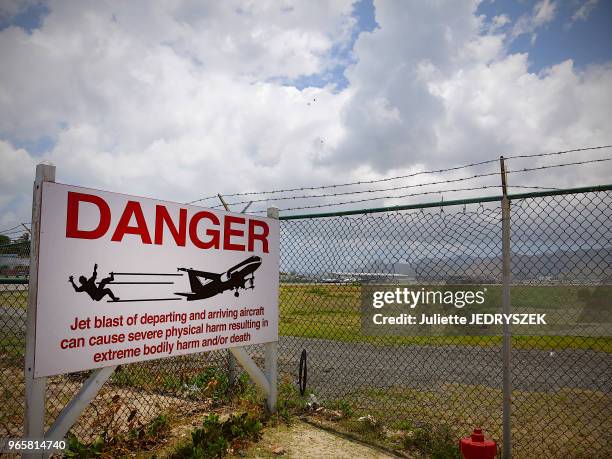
<point x="183" y="99"/>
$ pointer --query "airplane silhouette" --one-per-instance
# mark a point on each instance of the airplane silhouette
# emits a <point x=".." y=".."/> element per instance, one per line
<point x="234" y="278"/>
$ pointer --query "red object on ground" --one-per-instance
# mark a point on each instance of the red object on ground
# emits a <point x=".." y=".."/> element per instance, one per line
<point x="476" y="447"/>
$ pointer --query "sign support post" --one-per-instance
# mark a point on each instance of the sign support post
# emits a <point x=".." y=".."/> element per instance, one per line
<point x="51" y="241"/>
<point x="271" y="352"/>
<point x="34" y="419"/>
<point x="79" y="402"/>
<point x="268" y="381"/>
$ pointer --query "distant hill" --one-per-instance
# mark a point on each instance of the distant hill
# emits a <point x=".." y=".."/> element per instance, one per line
<point x="566" y="265"/>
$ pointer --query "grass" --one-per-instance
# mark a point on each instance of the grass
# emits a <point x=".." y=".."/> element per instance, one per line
<point x="435" y="440"/>
<point x="219" y="435"/>
<point x="137" y="437"/>
<point x="12" y="348"/>
<point x="208" y="382"/>
<point x="329" y="311"/>
<point x="567" y="423"/>
<point x="14" y="299"/>
<point x="334" y="312"/>
<point x="216" y="438"/>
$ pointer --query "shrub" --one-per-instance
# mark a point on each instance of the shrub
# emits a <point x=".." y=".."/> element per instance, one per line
<point x="214" y="438"/>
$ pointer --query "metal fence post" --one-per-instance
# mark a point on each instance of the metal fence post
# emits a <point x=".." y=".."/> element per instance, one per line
<point x="271" y="352"/>
<point x="34" y="419"/>
<point x="507" y="344"/>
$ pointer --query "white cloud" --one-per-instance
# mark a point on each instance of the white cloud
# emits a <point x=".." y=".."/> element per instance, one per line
<point x="179" y="100"/>
<point x="584" y="11"/>
<point x="498" y="22"/>
<point x="15" y="185"/>
<point x="469" y="101"/>
<point x="505" y="108"/>
<point x="543" y="13"/>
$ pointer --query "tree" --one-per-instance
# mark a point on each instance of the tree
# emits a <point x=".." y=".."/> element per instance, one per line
<point x="4" y="239"/>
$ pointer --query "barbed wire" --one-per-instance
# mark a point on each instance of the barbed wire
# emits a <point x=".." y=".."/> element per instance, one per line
<point x="535" y="155"/>
<point x="436" y="171"/>
<point x="381" y="190"/>
<point x="21" y="227"/>
<point x="552" y="166"/>
<point x="422" y="193"/>
<point x="345" y="193"/>
<point x="15" y="232"/>
<point x="447" y="190"/>
<point x="440" y="182"/>
<point x="338" y="185"/>
<point x="10" y="229"/>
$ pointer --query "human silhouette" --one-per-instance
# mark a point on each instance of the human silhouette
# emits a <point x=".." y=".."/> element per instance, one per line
<point x="96" y="292"/>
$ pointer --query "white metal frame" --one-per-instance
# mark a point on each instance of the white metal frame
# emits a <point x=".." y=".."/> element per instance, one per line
<point x="34" y="419"/>
<point x="267" y="380"/>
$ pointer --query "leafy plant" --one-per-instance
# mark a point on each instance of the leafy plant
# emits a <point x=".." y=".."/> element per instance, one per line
<point x="244" y="390"/>
<point x="435" y="441"/>
<point x="75" y="448"/>
<point x="289" y="401"/>
<point x="139" y="437"/>
<point x="244" y="426"/>
<point x="417" y="438"/>
<point x="343" y="406"/>
<point x="124" y="378"/>
<point x="212" y="382"/>
<point x="171" y="382"/>
<point x="404" y="424"/>
<point x="215" y="448"/>
<point x="369" y="427"/>
<point x="214" y="438"/>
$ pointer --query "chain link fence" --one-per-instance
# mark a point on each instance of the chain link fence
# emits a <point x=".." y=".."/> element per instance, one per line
<point x="561" y="258"/>
<point x="134" y="395"/>
<point x="14" y="268"/>
<point x="561" y="397"/>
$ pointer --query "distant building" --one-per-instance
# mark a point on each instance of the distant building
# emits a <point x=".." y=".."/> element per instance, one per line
<point x="11" y="264"/>
<point x="392" y="272"/>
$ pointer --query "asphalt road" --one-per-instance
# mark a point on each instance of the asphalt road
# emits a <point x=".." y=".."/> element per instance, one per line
<point x="336" y="367"/>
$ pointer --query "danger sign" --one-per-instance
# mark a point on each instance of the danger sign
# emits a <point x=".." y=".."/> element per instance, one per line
<point x="123" y="279"/>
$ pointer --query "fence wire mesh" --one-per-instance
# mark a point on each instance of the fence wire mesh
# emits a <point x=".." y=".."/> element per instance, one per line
<point x="561" y="404"/>
<point x="14" y="266"/>
<point x="561" y="399"/>
<point x="134" y="395"/>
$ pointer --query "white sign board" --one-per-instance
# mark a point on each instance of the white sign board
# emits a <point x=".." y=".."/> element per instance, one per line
<point x="123" y="279"/>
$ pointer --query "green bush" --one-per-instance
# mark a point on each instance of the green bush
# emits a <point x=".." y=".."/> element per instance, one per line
<point x="75" y="448"/>
<point x="214" y="438"/>
<point x="245" y="390"/>
<point x="289" y="401"/>
<point x="436" y="442"/>
<point x="171" y="382"/>
<point x="343" y="406"/>
<point x="213" y="382"/>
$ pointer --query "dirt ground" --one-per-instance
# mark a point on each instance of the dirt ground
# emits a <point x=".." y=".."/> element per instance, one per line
<point x="299" y="440"/>
<point x="304" y="441"/>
